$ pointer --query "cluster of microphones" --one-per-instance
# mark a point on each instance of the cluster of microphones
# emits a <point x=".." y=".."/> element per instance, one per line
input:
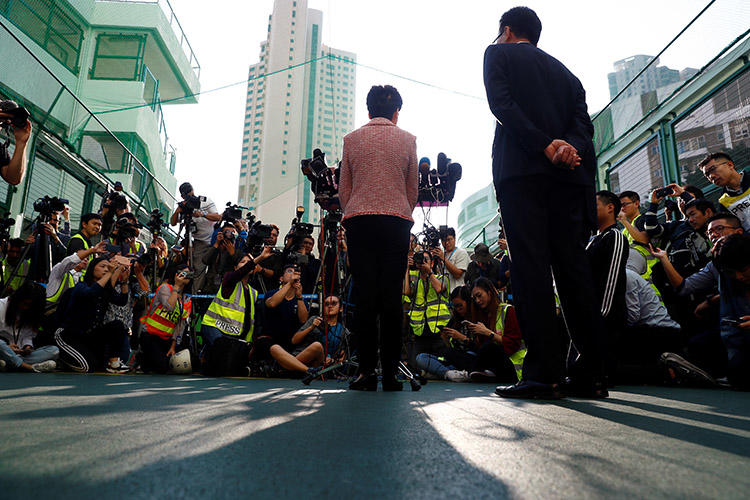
<point x="437" y="186"/>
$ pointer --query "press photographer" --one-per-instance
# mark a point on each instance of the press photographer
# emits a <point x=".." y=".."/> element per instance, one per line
<point x="47" y="248"/>
<point x="220" y="258"/>
<point x="15" y="267"/>
<point x="199" y="214"/>
<point x="13" y="168"/>
<point x="456" y="260"/>
<point x="91" y="225"/>
<point x="114" y="205"/>
<point x="124" y="238"/>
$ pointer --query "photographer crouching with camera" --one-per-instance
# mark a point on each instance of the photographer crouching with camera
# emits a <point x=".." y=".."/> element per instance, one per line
<point x="13" y="168"/>
<point x="201" y="212"/>
<point x="378" y="192"/>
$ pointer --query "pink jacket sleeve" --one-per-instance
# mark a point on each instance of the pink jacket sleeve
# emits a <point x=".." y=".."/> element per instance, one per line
<point x="412" y="175"/>
<point x="345" y="178"/>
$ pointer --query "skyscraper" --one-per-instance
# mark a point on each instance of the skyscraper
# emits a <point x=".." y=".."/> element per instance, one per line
<point x="300" y="96"/>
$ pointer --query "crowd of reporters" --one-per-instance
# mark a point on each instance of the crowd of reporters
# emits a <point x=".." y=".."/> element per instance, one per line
<point x="672" y="286"/>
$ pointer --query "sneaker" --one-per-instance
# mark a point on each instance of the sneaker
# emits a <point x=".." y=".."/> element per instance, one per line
<point x="44" y="366"/>
<point x="457" y="375"/>
<point x="483" y="376"/>
<point x="2" y="365"/>
<point x="117" y="366"/>
<point x="681" y="371"/>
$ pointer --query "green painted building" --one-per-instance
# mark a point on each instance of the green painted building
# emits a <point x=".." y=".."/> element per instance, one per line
<point x="122" y="60"/>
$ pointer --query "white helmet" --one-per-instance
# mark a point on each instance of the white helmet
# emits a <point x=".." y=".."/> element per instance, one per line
<point x="180" y="362"/>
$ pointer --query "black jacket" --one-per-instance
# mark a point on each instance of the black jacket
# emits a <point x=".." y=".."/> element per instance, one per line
<point x="536" y="99"/>
<point x="608" y="254"/>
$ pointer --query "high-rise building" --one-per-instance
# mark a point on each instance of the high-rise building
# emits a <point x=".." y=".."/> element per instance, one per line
<point x="653" y="78"/>
<point x="300" y="96"/>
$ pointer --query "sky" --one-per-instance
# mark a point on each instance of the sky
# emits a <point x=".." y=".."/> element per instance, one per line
<point x="434" y="41"/>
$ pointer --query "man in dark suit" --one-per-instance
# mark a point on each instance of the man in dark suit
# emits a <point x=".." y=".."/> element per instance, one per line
<point x="543" y="168"/>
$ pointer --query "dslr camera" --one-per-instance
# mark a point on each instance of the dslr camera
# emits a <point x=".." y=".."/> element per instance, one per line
<point x="665" y="191"/>
<point x="117" y="201"/>
<point x="126" y="228"/>
<point x="19" y="116"/>
<point x="155" y="224"/>
<point x="256" y="234"/>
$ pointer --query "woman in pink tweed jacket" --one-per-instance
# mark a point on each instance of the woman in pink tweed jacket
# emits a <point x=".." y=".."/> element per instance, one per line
<point x="378" y="193"/>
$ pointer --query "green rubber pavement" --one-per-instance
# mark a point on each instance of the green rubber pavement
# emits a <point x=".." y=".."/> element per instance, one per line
<point x="140" y="437"/>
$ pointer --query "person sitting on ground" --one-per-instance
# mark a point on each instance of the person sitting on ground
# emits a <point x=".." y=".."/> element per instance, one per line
<point x="650" y="331"/>
<point x="440" y="367"/>
<point x="285" y="312"/>
<point x="165" y="322"/>
<point x="20" y="320"/>
<point x="733" y="261"/>
<point x="86" y="342"/>
<point x="14" y="271"/>
<point x="482" y="353"/>
<point x="329" y="332"/>
<point x="705" y="347"/>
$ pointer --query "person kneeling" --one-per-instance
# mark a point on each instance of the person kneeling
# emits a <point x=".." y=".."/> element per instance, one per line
<point x="165" y="322"/>
<point x="19" y="323"/>
<point x="231" y="321"/>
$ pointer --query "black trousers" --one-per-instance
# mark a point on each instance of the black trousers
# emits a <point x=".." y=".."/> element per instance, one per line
<point x="89" y="351"/>
<point x="378" y="249"/>
<point x="154" y="353"/>
<point x="547" y="225"/>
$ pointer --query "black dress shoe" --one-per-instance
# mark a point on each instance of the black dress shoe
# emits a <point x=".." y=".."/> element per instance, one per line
<point x="528" y="389"/>
<point x="583" y="388"/>
<point x="365" y="383"/>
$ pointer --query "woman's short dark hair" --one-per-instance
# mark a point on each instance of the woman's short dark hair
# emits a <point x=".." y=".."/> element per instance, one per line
<point x="523" y="22"/>
<point x="88" y="278"/>
<point x="30" y="318"/>
<point x="462" y="292"/>
<point x="383" y="101"/>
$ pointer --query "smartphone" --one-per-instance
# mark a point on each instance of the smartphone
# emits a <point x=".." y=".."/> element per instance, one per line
<point x="120" y="259"/>
<point x="731" y="322"/>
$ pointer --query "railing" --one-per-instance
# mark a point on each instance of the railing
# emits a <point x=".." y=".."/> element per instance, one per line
<point x="483" y="232"/>
<point x="152" y="97"/>
<point x="176" y="27"/>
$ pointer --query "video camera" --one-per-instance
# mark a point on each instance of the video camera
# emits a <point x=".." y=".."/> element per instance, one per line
<point x="297" y="232"/>
<point x="46" y="206"/>
<point x="117" y="201"/>
<point x="232" y="213"/>
<point x="439" y="185"/>
<point x="432" y="237"/>
<point x="5" y="222"/>
<point x="191" y="203"/>
<point x="18" y="120"/>
<point x="257" y="234"/>
<point x="126" y="229"/>
<point x="324" y="180"/>
<point x="155" y="224"/>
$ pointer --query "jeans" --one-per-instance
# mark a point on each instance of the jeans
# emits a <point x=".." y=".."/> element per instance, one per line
<point x="14" y="361"/>
<point x="209" y="334"/>
<point x="432" y="365"/>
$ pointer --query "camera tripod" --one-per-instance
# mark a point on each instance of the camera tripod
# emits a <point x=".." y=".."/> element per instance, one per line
<point x="43" y="257"/>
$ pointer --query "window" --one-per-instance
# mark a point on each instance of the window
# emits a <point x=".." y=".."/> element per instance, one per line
<point x="118" y="57"/>
<point x="49" y="26"/>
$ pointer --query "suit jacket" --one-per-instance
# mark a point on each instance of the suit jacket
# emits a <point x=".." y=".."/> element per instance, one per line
<point x="379" y="171"/>
<point x="535" y="100"/>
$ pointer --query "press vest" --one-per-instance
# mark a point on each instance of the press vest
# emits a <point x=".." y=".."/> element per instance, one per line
<point x="739" y="206"/>
<point x="19" y="277"/>
<point x="86" y="246"/>
<point x="651" y="261"/>
<point x="67" y="282"/>
<point x="228" y="316"/>
<point x="432" y="309"/>
<point x="517" y="357"/>
<point x="163" y="320"/>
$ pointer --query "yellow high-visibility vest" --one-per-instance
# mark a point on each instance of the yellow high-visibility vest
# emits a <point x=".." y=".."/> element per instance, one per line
<point x="228" y="316"/>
